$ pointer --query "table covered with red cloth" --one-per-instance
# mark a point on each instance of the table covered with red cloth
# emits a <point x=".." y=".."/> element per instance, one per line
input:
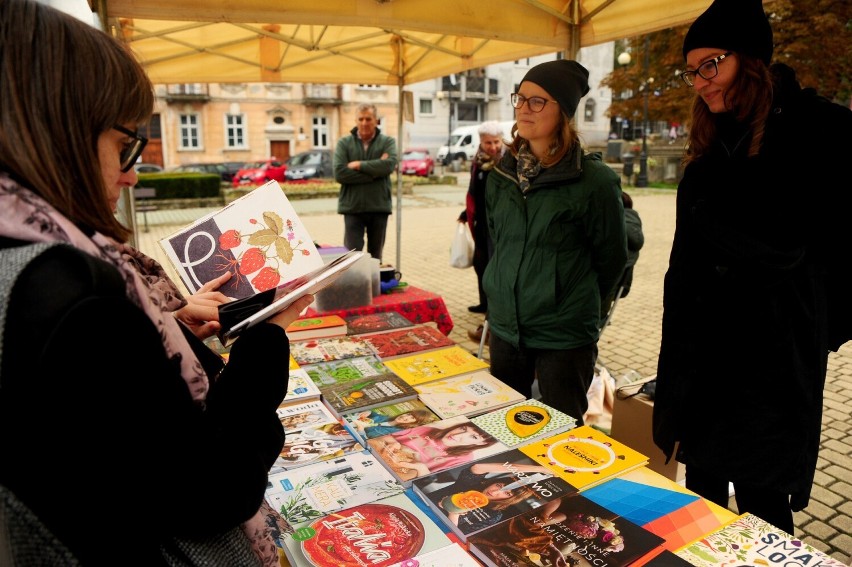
<point x="415" y="304"/>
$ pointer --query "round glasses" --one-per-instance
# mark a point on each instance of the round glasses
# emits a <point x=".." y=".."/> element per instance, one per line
<point x="706" y="70"/>
<point x="536" y="103"/>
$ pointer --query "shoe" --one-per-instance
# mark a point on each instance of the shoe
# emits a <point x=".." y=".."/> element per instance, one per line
<point x="476" y="336"/>
<point x="477" y="309"/>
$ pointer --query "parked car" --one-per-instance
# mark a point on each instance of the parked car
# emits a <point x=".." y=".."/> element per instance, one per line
<point x="313" y="164"/>
<point x="219" y="169"/>
<point x="259" y="172"/>
<point x="417" y="161"/>
<point x="233" y="167"/>
<point x="147" y="168"/>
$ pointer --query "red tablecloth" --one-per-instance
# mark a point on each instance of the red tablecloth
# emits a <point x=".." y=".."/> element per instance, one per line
<point x="415" y="304"/>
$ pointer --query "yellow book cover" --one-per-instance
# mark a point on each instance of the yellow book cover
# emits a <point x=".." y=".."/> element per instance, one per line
<point x="434" y="365"/>
<point x="584" y="456"/>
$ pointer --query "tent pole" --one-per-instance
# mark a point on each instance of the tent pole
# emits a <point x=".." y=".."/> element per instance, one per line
<point x="399" y="135"/>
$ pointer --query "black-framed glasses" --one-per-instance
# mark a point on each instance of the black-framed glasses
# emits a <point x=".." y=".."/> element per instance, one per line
<point x="132" y="149"/>
<point x="536" y="103"/>
<point x="706" y="70"/>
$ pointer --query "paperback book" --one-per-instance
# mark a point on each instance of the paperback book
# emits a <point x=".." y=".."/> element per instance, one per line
<point x="305" y="414"/>
<point x="524" y="422"/>
<point x="330" y="348"/>
<point x="571" y="530"/>
<point x="472" y="497"/>
<point x="584" y="456"/>
<point x="383" y="533"/>
<point x="427" y="449"/>
<point x="389" y="418"/>
<point x="375" y="322"/>
<point x="313" y="444"/>
<point x="396" y="343"/>
<point x="748" y="540"/>
<point x="300" y="387"/>
<point x="453" y="555"/>
<point x="467" y="394"/>
<point x="365" y="394"/>
<point x="335" y="372"/>
<point x="316" y="328"/>
<point x="425" y="367"/>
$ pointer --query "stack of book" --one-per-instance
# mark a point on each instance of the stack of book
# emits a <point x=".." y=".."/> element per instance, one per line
<point x="319" y="327"/>
<point x="400" y="342"/>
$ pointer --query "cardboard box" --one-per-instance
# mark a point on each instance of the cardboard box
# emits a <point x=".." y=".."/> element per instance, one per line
<point x="631" y="424"/>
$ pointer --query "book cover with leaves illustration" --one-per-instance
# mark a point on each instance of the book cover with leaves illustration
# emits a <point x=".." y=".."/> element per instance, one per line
<point x="259" y="238"/>
<point x="584" y="456"/>
<point x="399" y="342"/>
<point x="316" y="327"/>
<point x="524" y="422"/>
<point x="375" y="322"/>
<point x="334" y="372"/>
<point x="468" y="394"/>
<point x="329" y="348"/>
<point x="425" y="367"/>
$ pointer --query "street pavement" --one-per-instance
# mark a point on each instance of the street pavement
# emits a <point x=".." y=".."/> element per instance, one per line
<point x="630" y="342"/>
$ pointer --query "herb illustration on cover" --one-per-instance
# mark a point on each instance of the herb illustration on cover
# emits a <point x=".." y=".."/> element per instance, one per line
<point x="259" y="238"/>
<point x="329" y="348"/>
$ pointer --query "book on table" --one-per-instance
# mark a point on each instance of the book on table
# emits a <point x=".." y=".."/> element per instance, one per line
<point x="318" y="327"/>
<point x="314" y="351"/>
<point x="400" y="342"/>
<point x="524" y="422"/>
<point x="467" y="394"/>
<point x="389" y="418"/>
<point x="420" y="368"/>
<point x="334" y="372"/>
<point x="315" y="443"/>
<point x="426" y="449"/>
<point x="472" y="497"/>
<point x="367" y="393"/>
<point x="375" y="322"/>
<point x="571" y="530"/>
<point x="300" y="387"/>
<point x="584" y="456"/>
<point x="304" y="414"/>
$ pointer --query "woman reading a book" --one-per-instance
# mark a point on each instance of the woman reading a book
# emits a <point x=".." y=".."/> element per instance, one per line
<point x="149" y="411"/>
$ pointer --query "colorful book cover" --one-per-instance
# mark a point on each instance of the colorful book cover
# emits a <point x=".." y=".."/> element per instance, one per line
<point x="389" y="418"/>
<point x="468" y="394"/>
<point x="305" y="414"/>
<point x="329" y="348"/>
<point x="453" y="555"/>
<point x="335" y="372"/>
<point x="391" y="531"/>
<point x="524" y="422"/>
<point x="300" y="387"/>
<point x="425" y="367"/>
<point x="367" y="393"/>
<point x="584" y="456"/>
<point x="571" y="530"/>
<point x="427" y="449"/>
<point x="375" y="322"/>
<point x="313" y="491"/>
<point x="396" y="343"/>
<point x="314" y="444"/>
<point x="660" y="505"/>
<point x="259" y="238"/>
<point x="748" y="540"/>
<point x="316" y="327"/>
<point x="472" y="497"/>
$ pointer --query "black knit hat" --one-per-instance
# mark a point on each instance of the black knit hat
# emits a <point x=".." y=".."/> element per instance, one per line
<point x="564" y="80"/>
<point x="740" y="26"/>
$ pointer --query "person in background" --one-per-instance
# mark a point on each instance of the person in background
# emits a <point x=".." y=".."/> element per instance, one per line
<point x="756" y="292"/>
<point x="363" y="163"/>
<point x="557" y="222"/>
<point x="106" y="390"/>
<point x="635" y="241"/>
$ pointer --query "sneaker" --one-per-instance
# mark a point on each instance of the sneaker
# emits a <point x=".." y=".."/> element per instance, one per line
<point x="476" y="336"/>
<point x="477" y="309"/>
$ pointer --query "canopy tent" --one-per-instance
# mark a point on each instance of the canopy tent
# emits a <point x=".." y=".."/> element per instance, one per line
<point x="388" y="42"/>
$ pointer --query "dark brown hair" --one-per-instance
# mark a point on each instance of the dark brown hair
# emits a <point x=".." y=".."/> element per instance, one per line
<point x="63" y="83"/>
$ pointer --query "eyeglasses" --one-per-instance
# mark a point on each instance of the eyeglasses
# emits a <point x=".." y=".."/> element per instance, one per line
<point x="536" y="103"/>
<point x="706" y="70"/>
<point x="132" y="149"/>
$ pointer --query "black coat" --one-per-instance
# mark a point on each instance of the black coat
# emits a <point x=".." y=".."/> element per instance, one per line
<point x="754" y="298"/>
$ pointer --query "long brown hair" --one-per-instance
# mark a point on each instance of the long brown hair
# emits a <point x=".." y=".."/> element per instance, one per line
<point x="750" y="100"/>
<point x="62" y="84"/>
<point x="566" y="138"/>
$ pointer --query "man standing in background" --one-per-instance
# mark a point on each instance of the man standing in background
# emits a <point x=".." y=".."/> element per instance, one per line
<point x="363" y="163"/>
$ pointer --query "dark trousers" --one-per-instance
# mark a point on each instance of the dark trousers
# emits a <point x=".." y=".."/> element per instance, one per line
<point x="481" y="255"/>
<point x="564" y="376"/>
<point x="767" y="504"/>
<point x="375" y="225"/>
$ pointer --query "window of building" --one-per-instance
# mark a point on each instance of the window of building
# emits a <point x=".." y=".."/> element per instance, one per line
<point x="235" y="131"/>
<point x="319" y="132"/>
<point x="190" y="137"/>
<point x="589" y="111"/>
<point x="468" y="112"/>
<point x="426" y="106"/>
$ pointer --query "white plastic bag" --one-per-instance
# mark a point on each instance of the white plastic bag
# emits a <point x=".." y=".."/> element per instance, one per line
<point x="461" y="251"/>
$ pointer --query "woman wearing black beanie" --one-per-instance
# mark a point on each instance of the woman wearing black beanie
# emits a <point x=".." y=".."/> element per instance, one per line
<point x="755" y="294"/>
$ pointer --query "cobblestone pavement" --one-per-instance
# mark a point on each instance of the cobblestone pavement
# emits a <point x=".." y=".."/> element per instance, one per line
<point x="630" y="342"/>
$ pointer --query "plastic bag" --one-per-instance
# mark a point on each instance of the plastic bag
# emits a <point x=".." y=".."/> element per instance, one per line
<point x="461" y="251"/>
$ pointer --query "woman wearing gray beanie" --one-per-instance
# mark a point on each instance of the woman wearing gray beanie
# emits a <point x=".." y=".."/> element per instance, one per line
<point x="756" y="293"/>
<point x="557" y="223"/>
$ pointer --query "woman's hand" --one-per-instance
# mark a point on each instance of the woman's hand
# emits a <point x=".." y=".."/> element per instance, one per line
<point x="201" y="312"/>
<point x="286" y="317"/>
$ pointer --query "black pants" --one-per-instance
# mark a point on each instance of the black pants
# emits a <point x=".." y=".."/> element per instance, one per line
<point x="767" y="504"/>
<point x="374" y="224"/>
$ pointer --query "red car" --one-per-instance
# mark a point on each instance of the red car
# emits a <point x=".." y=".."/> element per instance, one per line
<point x="417" y="161"/>
<point x="259" y="172"/>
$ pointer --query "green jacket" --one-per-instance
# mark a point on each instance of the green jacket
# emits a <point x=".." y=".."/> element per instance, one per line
<point x="367" y="190"/>
<point x="559" y="251"/>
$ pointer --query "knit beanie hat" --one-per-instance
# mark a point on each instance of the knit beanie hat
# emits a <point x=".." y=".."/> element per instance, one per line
<point x="740" y="26"/>
<point x="564" y="80"/>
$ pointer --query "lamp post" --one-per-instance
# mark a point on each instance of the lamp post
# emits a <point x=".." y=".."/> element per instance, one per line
<point x="642" y="178"/>
<point x="448" y="158"/>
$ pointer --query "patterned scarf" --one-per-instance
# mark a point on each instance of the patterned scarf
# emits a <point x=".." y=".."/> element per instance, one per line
<point x="528" y="167"/>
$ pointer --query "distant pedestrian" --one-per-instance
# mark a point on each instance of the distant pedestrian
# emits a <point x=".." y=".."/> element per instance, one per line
<point x="672" y="134"/>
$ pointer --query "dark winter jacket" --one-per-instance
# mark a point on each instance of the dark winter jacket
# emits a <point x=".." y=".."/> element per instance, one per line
<point x="559" y="250"/>
<point x="367" y="190"/>
<point x="749" y="304"/>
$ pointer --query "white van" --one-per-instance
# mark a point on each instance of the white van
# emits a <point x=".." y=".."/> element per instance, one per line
<point x="464" y="141"/>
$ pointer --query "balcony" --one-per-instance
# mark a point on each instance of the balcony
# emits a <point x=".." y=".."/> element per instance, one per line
<point x="321" y="94"/>
<point x="189" y="92"/>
